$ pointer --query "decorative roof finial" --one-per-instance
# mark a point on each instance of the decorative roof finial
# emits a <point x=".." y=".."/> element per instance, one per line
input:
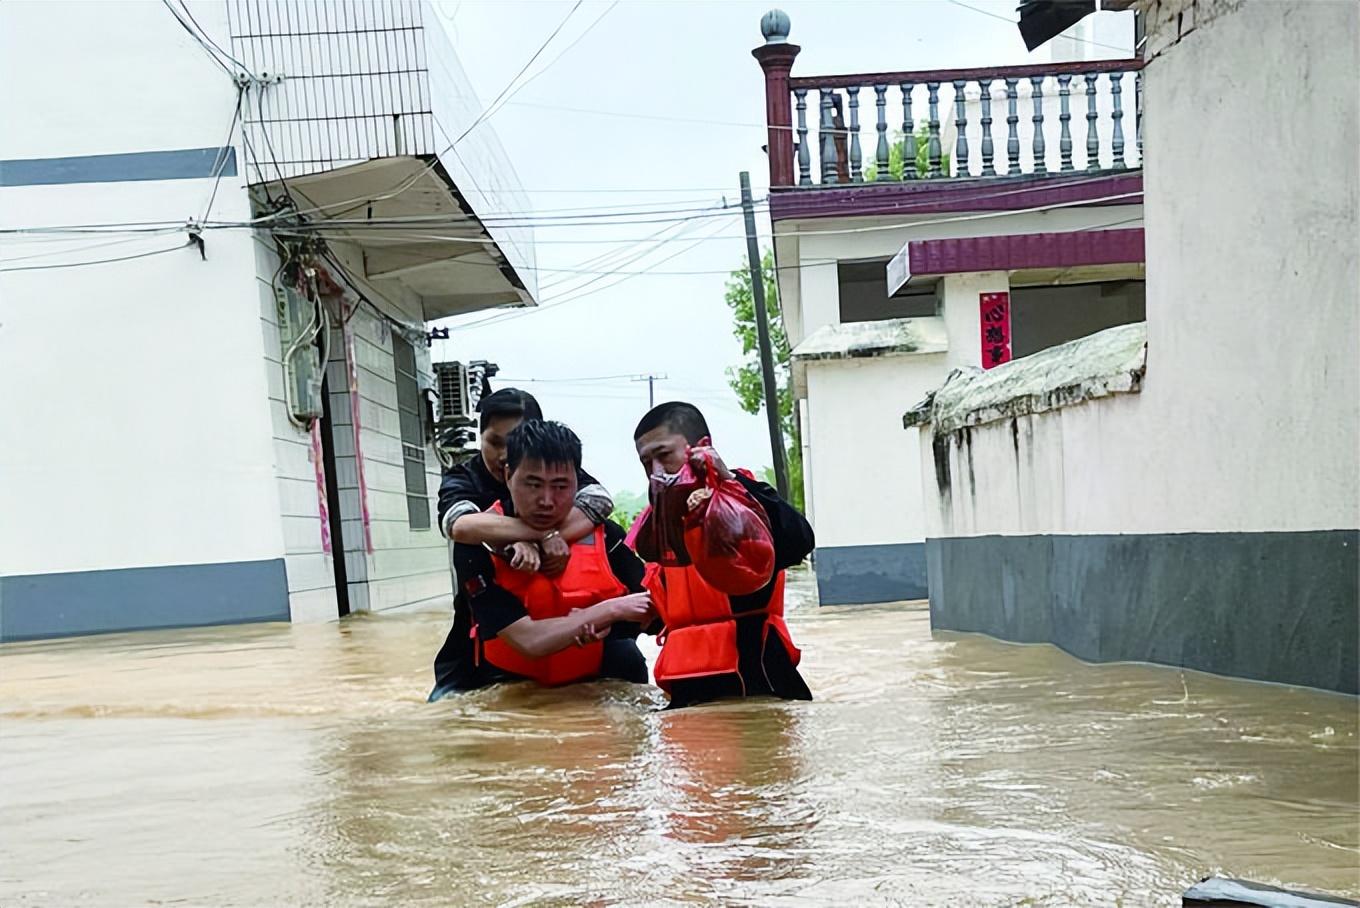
<point x="774" y="25"/>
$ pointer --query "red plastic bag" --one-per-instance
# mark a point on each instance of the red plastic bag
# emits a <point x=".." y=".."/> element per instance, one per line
<point x="658" y="534"/>
<point x="727" y="535"/>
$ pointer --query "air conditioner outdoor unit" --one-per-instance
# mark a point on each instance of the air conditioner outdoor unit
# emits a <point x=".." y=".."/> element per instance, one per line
<point x="451" y="381"/>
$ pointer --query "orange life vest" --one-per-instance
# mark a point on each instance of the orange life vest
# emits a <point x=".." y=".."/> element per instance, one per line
<point x="701" y="629"/>
<point x="586" y="581"/>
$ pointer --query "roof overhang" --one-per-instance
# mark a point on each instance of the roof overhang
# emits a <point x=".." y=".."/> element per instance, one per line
<point x="1065" y="257"/>
<point x="415" y="230"/>
<point x="867" y="340"/>
<point x="1043" y="20"/>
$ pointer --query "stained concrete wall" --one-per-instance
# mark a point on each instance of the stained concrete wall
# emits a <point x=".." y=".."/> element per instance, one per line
<point x="1247" y="423"/>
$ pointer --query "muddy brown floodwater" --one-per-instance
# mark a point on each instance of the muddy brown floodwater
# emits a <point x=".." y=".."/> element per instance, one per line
<point x="277" y="765"/>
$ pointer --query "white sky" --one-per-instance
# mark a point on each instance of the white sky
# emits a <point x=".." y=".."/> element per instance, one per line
<point x="665" y="59"/>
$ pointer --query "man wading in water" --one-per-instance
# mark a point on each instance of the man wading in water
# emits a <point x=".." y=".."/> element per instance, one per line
<point x="512" y="624"/>
<point x="716" y="645"/>
<point x="469" y="489"/>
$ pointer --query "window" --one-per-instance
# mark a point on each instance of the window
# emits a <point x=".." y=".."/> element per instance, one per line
<point x="864" y="294"/>
<point x="412" y="434"/>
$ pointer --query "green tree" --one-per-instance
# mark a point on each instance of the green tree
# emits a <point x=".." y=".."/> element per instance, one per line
<point x="895" y="147"/>
<point x="627" y="507"/>
<point x="745" y="379"/>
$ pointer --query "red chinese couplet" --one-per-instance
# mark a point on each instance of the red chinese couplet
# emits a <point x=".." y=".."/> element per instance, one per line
<point x="996" y="328"/>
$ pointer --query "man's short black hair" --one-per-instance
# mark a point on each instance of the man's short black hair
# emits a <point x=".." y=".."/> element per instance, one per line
<point x="508" y="402"/>
<point x="550" y="442"/>
<point x="678" y="417"/>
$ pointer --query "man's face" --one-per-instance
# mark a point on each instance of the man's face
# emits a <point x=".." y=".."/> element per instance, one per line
<point x="543" y="494"/>
<point x="493" y="443"/>
<point x="662" y="449"/>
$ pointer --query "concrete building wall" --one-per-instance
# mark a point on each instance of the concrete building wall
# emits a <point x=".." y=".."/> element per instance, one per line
<point x="150" y="475"/>
<point x="407" y="564"/>
<point x="869" y="514"/>
<point x="310" y="571"/>
<point x="871" y="547"/>
<point x="1211" y="520"/>
<point x="136" y="477"/>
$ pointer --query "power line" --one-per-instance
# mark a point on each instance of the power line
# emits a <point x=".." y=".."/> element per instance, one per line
<point x="486" y="113"/>
<point x="573" y="295"/>
<point x="124" y="258"/>
<point x="204" y="32"/>
<point x="572" y="380"/>
<point x="224" y="152"/>
<point x="491" y="108"/>
<point x="212" y="55"/>
<point x="78" y="249"/>
<point x="565" y="51"/>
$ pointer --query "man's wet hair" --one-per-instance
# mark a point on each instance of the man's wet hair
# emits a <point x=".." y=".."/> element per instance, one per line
<point x="676" y="416"/>
<point x="550" y="442"/>
<point x="508" y="402"/>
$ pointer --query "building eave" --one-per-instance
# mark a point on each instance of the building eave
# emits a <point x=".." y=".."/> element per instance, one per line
<point x="1061" y="251"/>
<point x="425" y="238"/>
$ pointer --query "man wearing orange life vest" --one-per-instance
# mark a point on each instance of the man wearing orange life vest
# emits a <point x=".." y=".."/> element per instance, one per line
<point x="715" y="645"/>
<point x="578" y="625"/>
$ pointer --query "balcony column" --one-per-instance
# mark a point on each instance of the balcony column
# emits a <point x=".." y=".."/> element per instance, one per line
<point x="961" y="305"/>
<point x="776" y="58"/>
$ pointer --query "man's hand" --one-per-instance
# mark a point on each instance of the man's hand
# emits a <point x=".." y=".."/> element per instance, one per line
<point x="556" y="554"/>
<point x="590" y="635"/>
<point x="524" y="557"/>
<point x="633" y="607"/>
<point x="699" y="457"/>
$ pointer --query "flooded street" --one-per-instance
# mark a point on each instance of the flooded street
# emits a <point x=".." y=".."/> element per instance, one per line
<point x="277" y="765"/>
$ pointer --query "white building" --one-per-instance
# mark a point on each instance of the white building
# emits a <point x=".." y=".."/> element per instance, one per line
<point x="1186" y="491"/>
<point x="161" y="466"/>
<point x="1054" y="208"/>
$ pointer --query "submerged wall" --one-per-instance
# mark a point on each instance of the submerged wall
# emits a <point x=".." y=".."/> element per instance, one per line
<point x="1209" y="520"/>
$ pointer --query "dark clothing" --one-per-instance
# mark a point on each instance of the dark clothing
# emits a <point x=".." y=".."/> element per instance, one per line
<point x="492" y="608"/>
<point x="764" y="664"/>
<point x="471" y="481"/>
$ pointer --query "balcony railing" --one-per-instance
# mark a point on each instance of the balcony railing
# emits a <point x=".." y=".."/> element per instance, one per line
<point x="950" y="124"/>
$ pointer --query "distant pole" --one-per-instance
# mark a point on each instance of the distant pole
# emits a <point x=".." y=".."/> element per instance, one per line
<point x="781" y="470"/>
<point x="651" y="381"/>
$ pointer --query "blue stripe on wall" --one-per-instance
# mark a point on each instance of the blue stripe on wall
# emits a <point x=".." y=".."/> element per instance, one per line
<point x="37" y="606"/>
<point x="179" y="164"/>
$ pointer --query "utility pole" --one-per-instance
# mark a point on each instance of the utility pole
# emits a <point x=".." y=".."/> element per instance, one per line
<point x="651" y="381"/>
<point x="781" y="469"/>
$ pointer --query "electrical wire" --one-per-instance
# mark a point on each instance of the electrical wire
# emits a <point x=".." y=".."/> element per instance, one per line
<point x="223" y="153"/>
<point x="877" y="228"/>
<point x="905" y="208"/>
<point x="198" y="39"/>
<point x="79" y="249"/>
<point x="490" y="109"/>
<point x="204" y="32"/>
<point x="576" y="294"/>
<point x="547" y="66"/>
<point x="487" y="113"/>
<point x="123" y="258"/>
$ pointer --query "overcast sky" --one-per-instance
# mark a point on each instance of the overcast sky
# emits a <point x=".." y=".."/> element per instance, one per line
<point x="642" y="62"/>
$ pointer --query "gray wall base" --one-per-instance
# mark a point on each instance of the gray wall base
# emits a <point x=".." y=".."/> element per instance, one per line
<point x="857" y="574"/>
<point x="100" y="602"/>
<point x="1276" y="607"/>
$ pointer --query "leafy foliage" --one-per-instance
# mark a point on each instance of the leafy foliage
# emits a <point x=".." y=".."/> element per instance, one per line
<point x="896" y="147"/>
<point x="745" y="379"/>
